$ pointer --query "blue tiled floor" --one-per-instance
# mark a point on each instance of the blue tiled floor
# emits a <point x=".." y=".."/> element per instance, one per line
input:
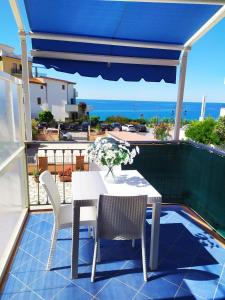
<point x="191" y="264"/>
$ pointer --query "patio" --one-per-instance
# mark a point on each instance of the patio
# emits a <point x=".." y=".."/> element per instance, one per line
<point x="191" y="264"/>
<point x="191" y="260"/>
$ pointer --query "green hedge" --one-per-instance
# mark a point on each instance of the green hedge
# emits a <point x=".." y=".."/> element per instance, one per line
<point x="187" y="173"/>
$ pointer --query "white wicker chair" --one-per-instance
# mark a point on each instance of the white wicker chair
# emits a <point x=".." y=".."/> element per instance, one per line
<point x="120" y="218"/>
<point x="62" y="213"/>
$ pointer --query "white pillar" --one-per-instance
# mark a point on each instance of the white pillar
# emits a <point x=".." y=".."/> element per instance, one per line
<point x="202" y="116"/>
<point x="180" y="95"/>
<point x="26" y="89"/>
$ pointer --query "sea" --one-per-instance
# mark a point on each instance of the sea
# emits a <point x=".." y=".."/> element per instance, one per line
<point x="134" y="109"/>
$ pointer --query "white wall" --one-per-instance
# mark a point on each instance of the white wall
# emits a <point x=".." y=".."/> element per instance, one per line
<point x="57" y="98"/>
<point x="35" y="92"/>
<point x="70" y="92"/>
<point x="53" y="98"/>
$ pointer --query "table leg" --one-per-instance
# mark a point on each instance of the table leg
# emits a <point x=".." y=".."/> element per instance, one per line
<point x="75" y="241"/>
<point x="154" y="246"/>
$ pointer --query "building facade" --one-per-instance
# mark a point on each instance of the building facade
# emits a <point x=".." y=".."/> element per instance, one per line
<point x="11" y="63"/>
<point x="46" y="93"/>
<point x="56" y="95"/>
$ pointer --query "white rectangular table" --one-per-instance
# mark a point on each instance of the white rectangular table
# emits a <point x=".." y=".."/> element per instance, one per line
<point x="86" y="188"/>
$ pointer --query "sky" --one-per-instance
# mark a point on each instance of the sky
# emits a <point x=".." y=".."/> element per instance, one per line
<point x="205" y="69"/>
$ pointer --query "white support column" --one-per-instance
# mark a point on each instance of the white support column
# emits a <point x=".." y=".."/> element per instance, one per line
<point x="202" y="116"/>
<point x="26" y="88"/>
<point x="180" y="95"/>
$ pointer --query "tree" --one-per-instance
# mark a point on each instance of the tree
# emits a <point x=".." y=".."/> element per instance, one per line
<point x="94" y="120"/>
<point x="46" y="116"/>
<point x="220" y="129"/>
<point x="203" y="132"/>
<point x="162" y="131"/>
<point x="34" y="124"/>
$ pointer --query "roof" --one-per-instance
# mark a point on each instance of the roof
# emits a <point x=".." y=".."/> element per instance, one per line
<point x="36" y="80"/>
<point x="57" y="79"/>
<point x="117" y="39"/>
<point x="42" y="80"/>
<point x="8" y="51"/>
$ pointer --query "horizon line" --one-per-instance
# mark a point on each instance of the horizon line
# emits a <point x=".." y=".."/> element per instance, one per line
<point x="142" y="100"/>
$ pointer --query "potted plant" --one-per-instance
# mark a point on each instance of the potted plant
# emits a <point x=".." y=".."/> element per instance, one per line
<point x="36" y="174"/>
<point x="65" y="176"/>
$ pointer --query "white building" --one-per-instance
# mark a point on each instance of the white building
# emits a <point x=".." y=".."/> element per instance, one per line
<point x="56" y="95"/>
<point x="46" y="93"/>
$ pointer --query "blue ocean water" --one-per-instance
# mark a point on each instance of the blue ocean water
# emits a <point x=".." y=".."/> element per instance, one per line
<point x="149" y="109"/>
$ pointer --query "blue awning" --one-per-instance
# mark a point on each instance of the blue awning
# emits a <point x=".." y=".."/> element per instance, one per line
<point x="163" y="23"/>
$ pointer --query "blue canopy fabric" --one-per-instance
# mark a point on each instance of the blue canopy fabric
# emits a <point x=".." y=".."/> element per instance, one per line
<point x="132" y="21"/>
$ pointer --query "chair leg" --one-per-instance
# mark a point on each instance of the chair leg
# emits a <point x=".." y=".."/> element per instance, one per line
<point x="52" y="247"/>
<point x="133" y="243"/>
<point x="89" y="232"/>
<point x="144" y="258"/>
<point x="98" y="253"/>
<point x="94" y="261"/>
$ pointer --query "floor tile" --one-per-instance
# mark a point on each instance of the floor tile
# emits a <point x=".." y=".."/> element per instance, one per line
<point x="30" y="271"/>
<point x="48" y="285"/>
<point x="186" y="295"/>
<point x="11" y="288"/>
<point x="72" y="292"/>
<point x="190" y="264"/>
<point x="115" y="289"/>
<point x="36" y="246"/>
<point x="202" y="280"/>
<point x="159" y="289"/>
<point x="220" y="292"/>
<point x="132" y="274"/>
<point x="26" y="295"/>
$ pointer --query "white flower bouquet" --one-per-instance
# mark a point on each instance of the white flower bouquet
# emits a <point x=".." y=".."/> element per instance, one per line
<point x="109" y="152"/>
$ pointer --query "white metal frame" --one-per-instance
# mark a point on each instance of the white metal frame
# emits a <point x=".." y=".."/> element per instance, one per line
<point x="218" y="16"/>
<point x="105" y="58"/>
<point x="104" y="41"/>
<point x="25" y="70"/>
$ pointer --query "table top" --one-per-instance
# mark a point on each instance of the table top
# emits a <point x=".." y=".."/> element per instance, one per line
<point x="89" y="185"/>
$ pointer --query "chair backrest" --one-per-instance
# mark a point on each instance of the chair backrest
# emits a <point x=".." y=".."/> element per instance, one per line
<point x="47" y="181"/>
<point x="120" y="217"/>
<point x="80" y="163"/>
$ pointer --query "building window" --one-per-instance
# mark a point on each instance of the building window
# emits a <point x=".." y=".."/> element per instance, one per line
<point x="20" y="68"/>
<point x="63" y="87"/>
<point x="39" y="101"/>
<point x="14" y="67"/>
<point x="42" y="87"/>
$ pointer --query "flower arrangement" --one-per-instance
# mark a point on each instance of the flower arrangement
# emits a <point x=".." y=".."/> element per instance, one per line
<point x="65" y="175"/>
<point x="109" y="152"/>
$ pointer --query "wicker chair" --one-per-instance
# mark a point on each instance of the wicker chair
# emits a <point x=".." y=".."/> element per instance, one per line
<point x="63" y="213"/>
<point x="120" y="218"/>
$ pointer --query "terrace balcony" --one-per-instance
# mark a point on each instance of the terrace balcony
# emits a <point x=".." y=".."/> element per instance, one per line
<point x="191" y="248"/>
<point x="190" y="177"/>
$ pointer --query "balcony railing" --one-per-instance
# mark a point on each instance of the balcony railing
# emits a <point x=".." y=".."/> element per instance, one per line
<point x="57" y="161"/>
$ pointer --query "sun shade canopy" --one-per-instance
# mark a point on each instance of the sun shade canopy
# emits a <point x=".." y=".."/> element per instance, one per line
<point x="114" y="39"/>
